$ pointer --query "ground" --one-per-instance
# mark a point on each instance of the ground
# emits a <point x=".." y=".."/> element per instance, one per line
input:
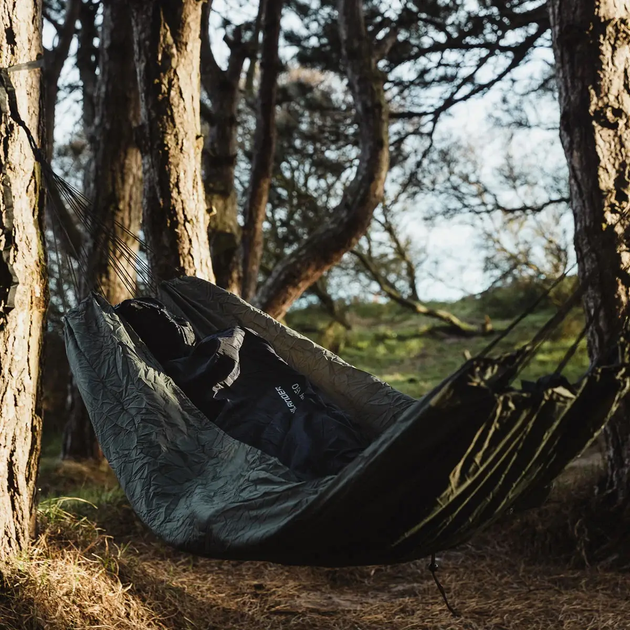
<point x="100" y="568"/>
<point x="93" y="563"/>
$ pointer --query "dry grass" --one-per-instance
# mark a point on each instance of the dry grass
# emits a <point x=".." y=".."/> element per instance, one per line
<point x="68" y="579"/>
<point x="524" y="573"/>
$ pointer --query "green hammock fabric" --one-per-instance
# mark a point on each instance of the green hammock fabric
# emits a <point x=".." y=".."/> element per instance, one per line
<point x="438" y="468"/>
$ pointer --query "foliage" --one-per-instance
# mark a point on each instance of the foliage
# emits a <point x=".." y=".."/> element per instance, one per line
<point x="436" y="53"/>
<point x="408" y="351"/>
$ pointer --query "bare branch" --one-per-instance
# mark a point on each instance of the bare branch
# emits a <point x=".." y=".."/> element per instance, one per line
<point x="518" y="55"/>
<point x="393" y="294"/>
<point x="402" y="252"/>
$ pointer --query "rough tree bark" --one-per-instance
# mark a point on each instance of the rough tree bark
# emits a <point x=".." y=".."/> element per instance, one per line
<point x="22" y="288"/>
<point x="353" y="215"/>
<point x="116" y="188"/>
<point x="263" y="150"/>
<point x="222" y="87"/>
<point x="117" y="172"/>
<point x="592" y="49"/>
<point x="167" y="40"/>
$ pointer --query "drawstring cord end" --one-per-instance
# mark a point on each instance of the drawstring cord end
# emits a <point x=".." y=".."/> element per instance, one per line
<point x="433" y="567"/>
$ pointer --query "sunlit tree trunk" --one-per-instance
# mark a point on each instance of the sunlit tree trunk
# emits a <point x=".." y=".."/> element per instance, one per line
<point x="22" y="287"/>
<point x="167" y="40"/>
<point x="115" y="184"/>
<point x="117" y="172"/>
<point x="592" y="50"/>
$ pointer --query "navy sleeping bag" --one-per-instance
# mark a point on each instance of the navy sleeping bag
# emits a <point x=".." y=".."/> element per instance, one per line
<point x="236" y="379"/>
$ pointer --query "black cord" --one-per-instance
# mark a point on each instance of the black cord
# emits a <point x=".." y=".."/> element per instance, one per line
<point x="433" y="567"/>
<point x="5" y="79"/>
<point x="528" y="311"/>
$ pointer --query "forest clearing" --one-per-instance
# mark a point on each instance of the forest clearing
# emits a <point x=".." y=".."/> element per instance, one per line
<point x="314" y="314"/>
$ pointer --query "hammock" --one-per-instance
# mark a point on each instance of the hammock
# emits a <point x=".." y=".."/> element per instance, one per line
<point x="436" y="471"/>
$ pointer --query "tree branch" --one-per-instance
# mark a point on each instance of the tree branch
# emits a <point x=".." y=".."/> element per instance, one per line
<point x="320" y="290"/>
<point x="402" y="253"/>
<point x="417" y="307"/>
<point x="70" y="234"/>
<point x="211" y="73"/>
<point x="351" y="218"/>
<point x="264" y="150"/>
<point x="54" y="60"/>
<point x="251" y="70"/>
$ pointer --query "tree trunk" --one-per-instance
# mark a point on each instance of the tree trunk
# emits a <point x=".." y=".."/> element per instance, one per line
<point x="117" y="174"/>
<point x="352" y="217"/>
<point x="57" y="373"/>
<point x="264" y="149"/>
<point x="70" y="236"/>
<point x="54" y="62"/>
<point x="116" y="185"/>
<point x="87" y="64"/>
<point x="167" y="39"/>
<point x="22" y="288"/>
<point x="79" y="441"/>
<point x="219" y="153"/>
<point x="592" y="49"/>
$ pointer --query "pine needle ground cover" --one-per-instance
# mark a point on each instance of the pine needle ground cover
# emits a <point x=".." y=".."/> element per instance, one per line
<point x="93" y="564"/>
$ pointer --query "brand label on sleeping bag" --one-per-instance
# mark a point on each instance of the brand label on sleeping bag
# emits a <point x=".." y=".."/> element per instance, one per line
<point x="298" y="390"/>
<point x="286" y="399"/>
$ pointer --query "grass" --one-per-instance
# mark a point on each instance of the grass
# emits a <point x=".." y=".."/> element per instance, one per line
<point x="94" y="565"/>
<point x="393" y="344"/>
